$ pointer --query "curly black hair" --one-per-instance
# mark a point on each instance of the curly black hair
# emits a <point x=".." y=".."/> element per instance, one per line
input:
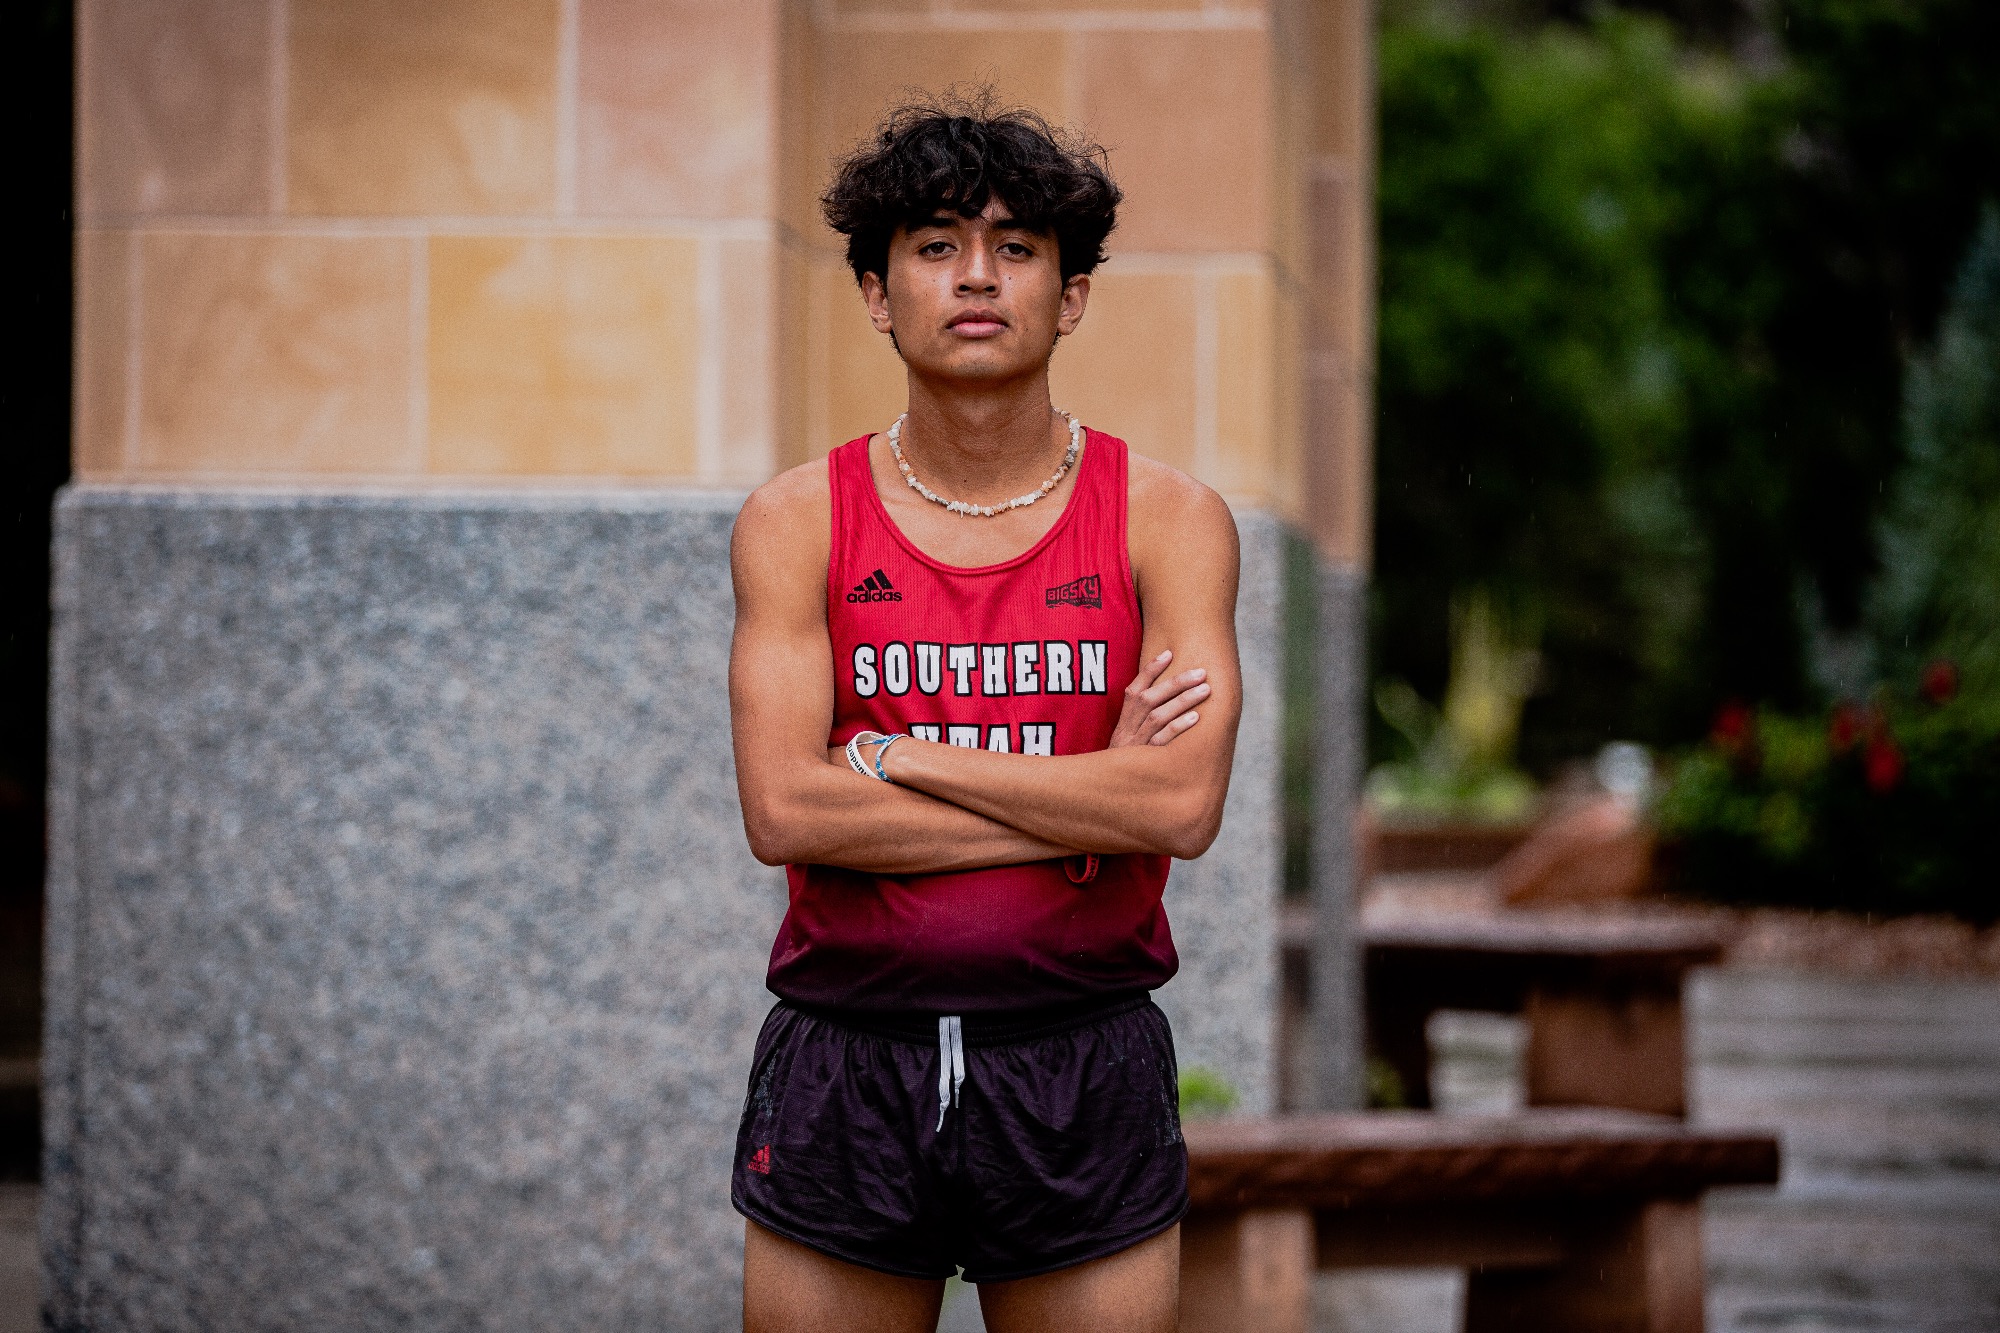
<point x="954" y="155"/>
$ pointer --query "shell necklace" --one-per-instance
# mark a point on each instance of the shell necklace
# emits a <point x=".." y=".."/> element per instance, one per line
<point x="988" y="511"/>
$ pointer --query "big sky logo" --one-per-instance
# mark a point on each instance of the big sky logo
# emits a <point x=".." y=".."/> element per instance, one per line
<point x="874" y="588"/>
<point x="1086" y="591"/>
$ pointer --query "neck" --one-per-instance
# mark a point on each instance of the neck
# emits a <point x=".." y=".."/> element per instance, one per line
<point x="986" y="444"/>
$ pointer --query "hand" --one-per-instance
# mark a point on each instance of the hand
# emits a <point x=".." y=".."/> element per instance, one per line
<point x="1157" y="710"/>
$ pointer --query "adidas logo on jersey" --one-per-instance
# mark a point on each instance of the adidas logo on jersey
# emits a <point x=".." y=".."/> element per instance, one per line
<point x="874" y="588"/>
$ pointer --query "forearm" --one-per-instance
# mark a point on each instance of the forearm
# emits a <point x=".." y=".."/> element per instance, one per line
<point x="814" y="812"/>
<point x="1165" y="800"/>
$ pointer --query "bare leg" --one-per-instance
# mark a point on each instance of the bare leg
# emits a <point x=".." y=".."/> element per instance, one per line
<point x="1133" y="1291"/>
<point x="789" y="1288"/>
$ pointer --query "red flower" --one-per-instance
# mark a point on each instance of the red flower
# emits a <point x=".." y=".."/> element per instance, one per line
<point x="1733" y="722"/>
<point x="1940" y="682"/>
<point x="1882" y="763"/>
<point x="1843" y="728"/>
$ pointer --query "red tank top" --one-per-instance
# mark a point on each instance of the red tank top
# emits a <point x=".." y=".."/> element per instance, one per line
<point x="1028" y="656"/>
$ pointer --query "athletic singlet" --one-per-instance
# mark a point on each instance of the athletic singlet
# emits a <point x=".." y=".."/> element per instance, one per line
<point x="1029" y="656"/>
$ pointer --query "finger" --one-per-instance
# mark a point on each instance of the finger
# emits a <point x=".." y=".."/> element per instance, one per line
<point x="1177" y="705"/>
<point x="1150" y="671"/>
<point x="1151" y="720"/>
<point x="1159" y="733"/>
<point x="1167" y="689"/>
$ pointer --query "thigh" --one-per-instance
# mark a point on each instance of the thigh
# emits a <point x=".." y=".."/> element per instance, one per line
<point x="1137" y="1290"/>
<point x="791" y="1288"/>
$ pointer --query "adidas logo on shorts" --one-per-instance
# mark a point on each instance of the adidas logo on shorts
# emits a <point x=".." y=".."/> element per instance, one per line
<point x="874" y="588"/>
<point x="760" y="1161"/>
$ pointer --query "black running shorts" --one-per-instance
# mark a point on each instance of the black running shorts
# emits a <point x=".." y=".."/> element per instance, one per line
<point x="1060" y="1143"/>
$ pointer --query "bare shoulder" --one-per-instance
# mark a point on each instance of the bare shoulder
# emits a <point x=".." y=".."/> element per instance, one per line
<point x="787" y="500"/>
<point x="789" y="515"/>
<point x="1170" y="512"/>
<point x="783" y="534"/>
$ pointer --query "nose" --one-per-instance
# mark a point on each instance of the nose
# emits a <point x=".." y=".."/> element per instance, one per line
<point x="976" y="273"/>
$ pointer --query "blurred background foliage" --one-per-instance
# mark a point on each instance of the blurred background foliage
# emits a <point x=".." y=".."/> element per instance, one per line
<point x="1939" y="594"/>
<point x="1884" y="808"/>
<point x="1655" y="280"/>
<point x="1461" y="762"/>
<point x="1885" y="805"/>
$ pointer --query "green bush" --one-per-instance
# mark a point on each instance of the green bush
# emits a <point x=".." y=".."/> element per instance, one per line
<point x="1460" y="766"/>
<point x="1574" y="282"/>
<point x="1896" y="807"/>
<point x="1205" y="1094"/>
<point x="1888" y="809"/>
<point x="1939" y="595"/>
<point x="1645" y="313"/>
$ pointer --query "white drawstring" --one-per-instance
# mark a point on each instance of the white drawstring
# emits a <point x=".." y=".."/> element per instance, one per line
<point x="951" y="1064"/>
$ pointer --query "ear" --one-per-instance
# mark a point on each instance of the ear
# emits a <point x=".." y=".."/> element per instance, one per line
<point x="876" y="293"/>
<point x="1075" y="296"/>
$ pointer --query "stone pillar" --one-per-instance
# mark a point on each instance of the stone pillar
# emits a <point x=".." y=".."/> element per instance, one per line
<point x="404" y="952"/>
<point x="1339" y="350"/>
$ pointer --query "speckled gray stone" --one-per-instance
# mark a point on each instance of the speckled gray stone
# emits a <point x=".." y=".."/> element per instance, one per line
<point x="406" y="952"/>
<point x="1335" y="1073"/>
<point x="405" y="955"/>
<point x="1224" y="907"/>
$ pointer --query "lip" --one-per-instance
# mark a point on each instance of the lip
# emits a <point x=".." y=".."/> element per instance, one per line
<point x="976" y="323"/>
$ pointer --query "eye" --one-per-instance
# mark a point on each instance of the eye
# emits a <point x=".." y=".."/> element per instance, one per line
<point x="932" y="249"/>
<point x="1016" y="249"/>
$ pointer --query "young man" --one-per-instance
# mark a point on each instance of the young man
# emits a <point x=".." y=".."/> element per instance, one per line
<point x="958" y="723"/>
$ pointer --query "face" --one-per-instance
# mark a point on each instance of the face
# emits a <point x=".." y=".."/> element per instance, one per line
<point x="976" y="299"/>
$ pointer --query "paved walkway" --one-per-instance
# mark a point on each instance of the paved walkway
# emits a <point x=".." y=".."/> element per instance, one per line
<point x="1887" y="1093"/>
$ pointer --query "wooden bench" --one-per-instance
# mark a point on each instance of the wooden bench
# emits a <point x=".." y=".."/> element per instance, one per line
<point x="1567" y="1221"/>
<point x="1601" y="993"/>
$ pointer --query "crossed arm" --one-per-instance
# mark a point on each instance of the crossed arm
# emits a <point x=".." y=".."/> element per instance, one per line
<point x="1159" y="788"/>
